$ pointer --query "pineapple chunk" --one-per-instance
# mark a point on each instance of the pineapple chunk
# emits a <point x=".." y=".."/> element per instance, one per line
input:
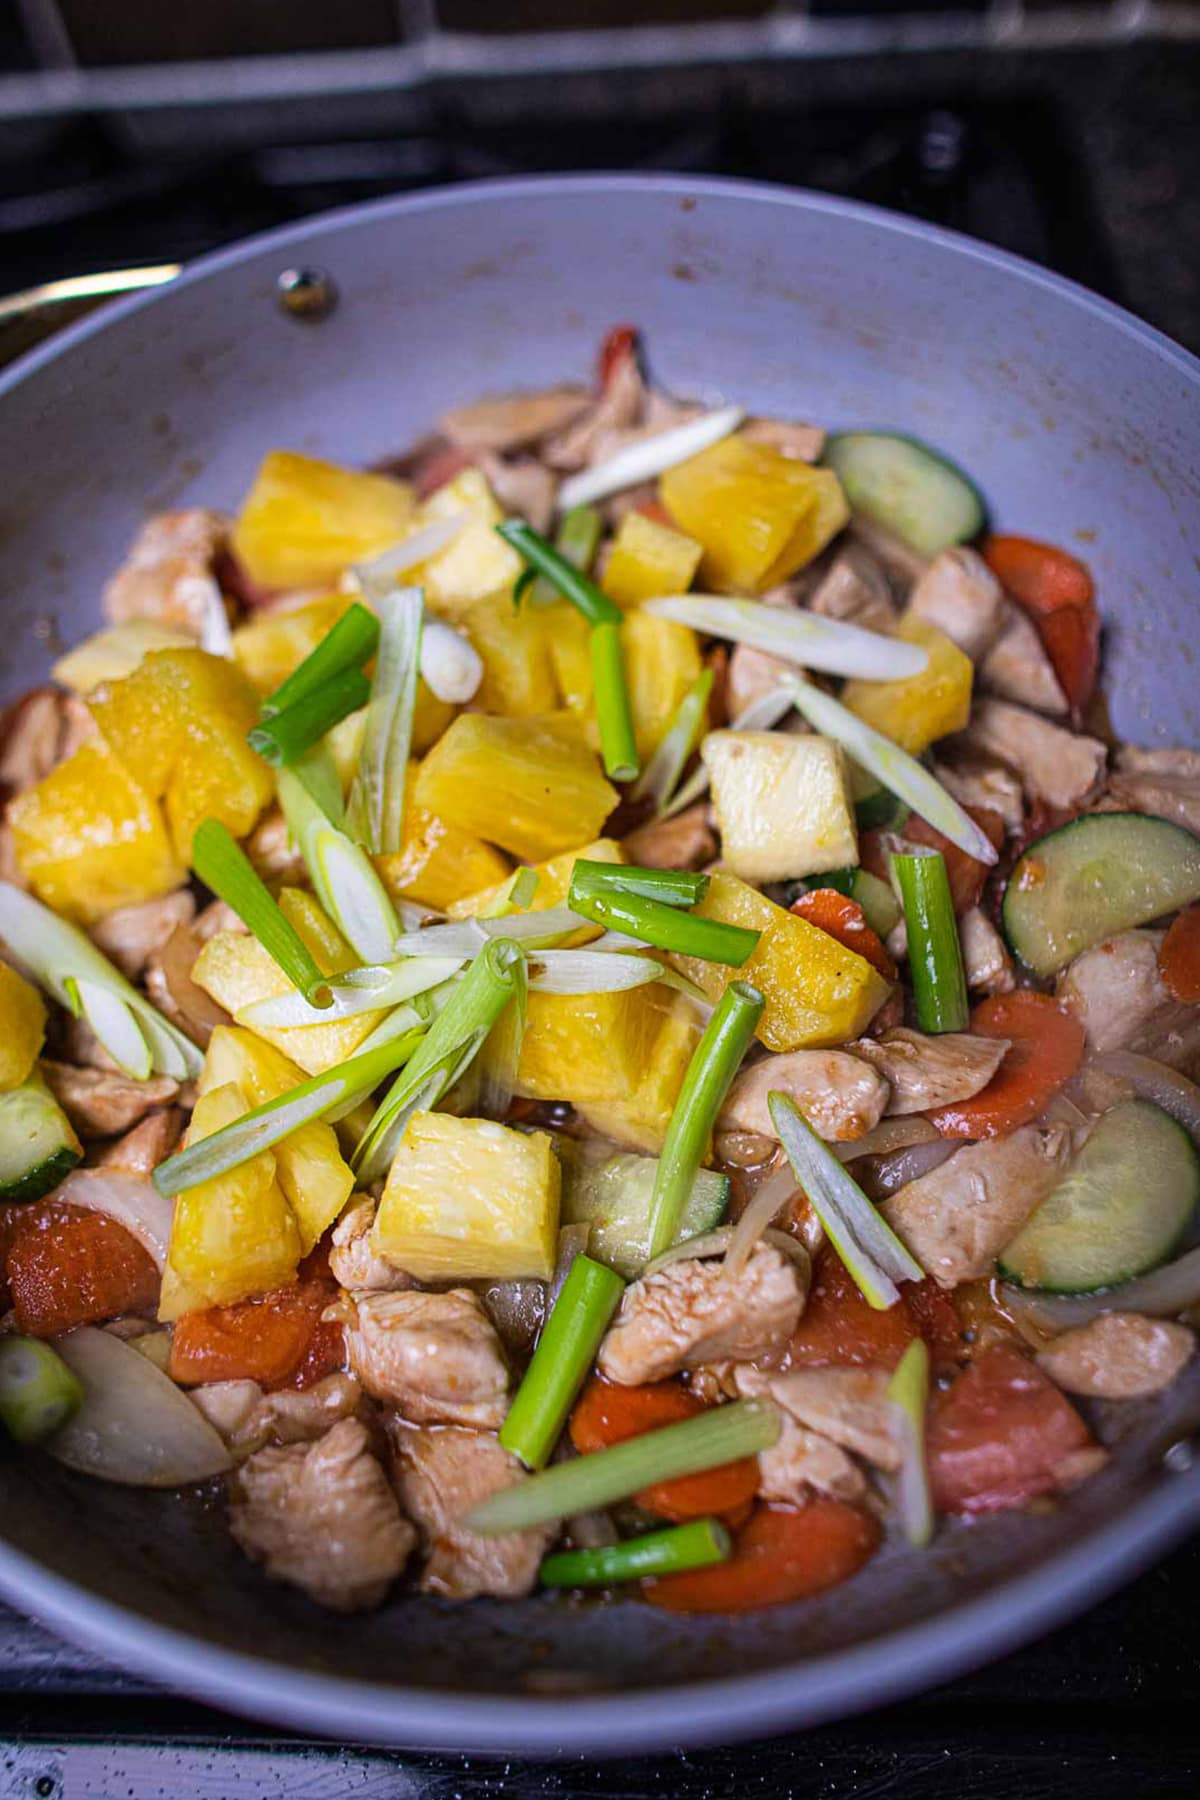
<point x="469" y="1200"/>
<point x="88" y="839"/>
<point x="589" y="1048"/>
<point x="272" y="644"/>
<point x="533" y="786"/>
<point x="112" y="654"/>
<point x="437" y="863"/>
<point x="304" y="521"/>
<point x="917" y="711"/>
<point x="568" y="635"/>
<point x="477" y="562"/>
<point x="518" y="675"/>
<point x="662" y="660"/>
<point x="22" y="1027"/>
<point x="783" y="807"/>
<point x="817" y="991"/>
<point x="554" y="878"/>
<point x="640" y="1119"/>
<point x="181" y="721"/>
<point x="648" y="559"/>
<point x="760" y="516"/>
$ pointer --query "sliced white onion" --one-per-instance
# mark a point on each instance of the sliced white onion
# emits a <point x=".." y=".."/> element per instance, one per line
<point x="382" y="570"/>
<point x="808" y="639"/>
<point x="135" y="1426"/>
<point x="116" y="1025"/>
<point x="357" y="991"/>
<point x="791" y="1247"/>
<point x="888" y="1135"/>
<point x="450" y="664"/>
<point x="132" y="1200"/>
<point x="709" y="1243"/>
<point x="894" y="1172"/>
<point x="589" y="972"/>
<point x="762" y="714"/>
<point x="1152" y="1080"/>
<point x="767" y="1203"/>
<point x="215" y="635"/>
<point x="643" y="461"/>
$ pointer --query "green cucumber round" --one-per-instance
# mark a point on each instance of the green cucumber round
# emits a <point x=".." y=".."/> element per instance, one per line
<point x="1092" y="878"/>
<point x="903" y="484"/>
<point x="614" y="1197"/>
<point x="38" y="1148"/>
<point x="1121" y="1208"/>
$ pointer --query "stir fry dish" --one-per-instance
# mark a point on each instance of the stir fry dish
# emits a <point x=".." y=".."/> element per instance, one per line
<point x="595" y="1008"/>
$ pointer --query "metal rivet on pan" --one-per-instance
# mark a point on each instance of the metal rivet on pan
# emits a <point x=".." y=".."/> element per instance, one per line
<point x="1179" y="1457"/>
<point x="307" y="294"/>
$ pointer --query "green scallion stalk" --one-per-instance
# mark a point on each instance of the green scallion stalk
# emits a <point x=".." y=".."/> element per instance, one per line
<point x="614" y="715"/>
<point x="517" y="894"/>
<point x="348" y="645"/>
<point x="674" y="887"/>
<point x="38" y="1392"/>
<point x="564" y="1354"/>
<point x="665" y="927"/>
<point x="224" y="867"/>
<point x="570" y="582"/>
<point x="375" y="811"/>
<point x="934" y="953"/>
<point x="696" y="1545"/>
<point x="345" y="879"/>
<point x="715" y="1062"/>
<point x="722" y="1435"/>
<point x="660" y="778"/>
<point x="577" y="539"/>
<point x="908" y="1392"/>
<point x="284" y="737"/>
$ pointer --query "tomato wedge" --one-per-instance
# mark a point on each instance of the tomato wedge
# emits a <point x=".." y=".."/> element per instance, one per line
<point x="838" y="1327"/>
<point x="68" y="1267"/>
<point x="1179" y="957"/>
<point x="844" y="920"/>
<point x="266" y="1340"/>
<point x="1047" y="1048"/>
<point x="606" y="1413"/>
<point x="1002" y="1435"/>
<point x="1042" y="577"/>
<point x="781" y="1554"/>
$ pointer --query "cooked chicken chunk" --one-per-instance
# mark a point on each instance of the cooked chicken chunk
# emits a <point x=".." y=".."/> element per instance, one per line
<point x="100" y="1104"/>
<point x="800" y="1460"/>
<point x="505" y="422"/>
<point x="840" y="1095"/>
<point x="524" y="486"/>
<point x="849" y="1407"/>
<point x="618" y="409"/>
<point x="141" y="1150"/>
<point x="685" y="841"/>
<point x="925" y="1072"/>
<point x="957" y="1219"/>
<point x="1119" y="1356"/>
<point x="1018" y="668"/>
<point x="902" y="564"/>
<point x="961" y="597"/>
<point x="274" y="854"/>
<point x="1116" y="992"/>
<point x="133" y="934"/>
<point x="804" y="443"/>
<point x="1063" y="767"/>
<point x="230" y="1408"/>
<point x="434" y="1357"/>
<point x="986" y="963"/>
<point x="1163" y="782"/>
<point x="247" y="1418"/>
<point x="752" y="674"/>
<point x="985" y="784"/>
<point x="168" y="574"/>
<point x="856" y="590"/>
<point x="37" y="732"/>
<point x="442" y="1474"/>
<point x="351" y="1258"/>
<point x="688" y="1314"/>
<point x="169" y="983"/>
<point x="323" y="1517"/>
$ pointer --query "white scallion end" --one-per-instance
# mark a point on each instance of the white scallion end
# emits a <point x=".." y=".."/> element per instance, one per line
<point x="643" y="461"/>
<point x="805" y="638"/>
<point x="452" y="667"/>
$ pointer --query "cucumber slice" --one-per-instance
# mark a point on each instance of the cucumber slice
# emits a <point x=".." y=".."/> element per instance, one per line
<point x="1120" y="1210"/>
<point x="903" y="484"/>
<point x="38" y="1149"/>
<point x="1092" y="878"/>
<point x="880" y="809"/>
<point x="613" y="1196"/>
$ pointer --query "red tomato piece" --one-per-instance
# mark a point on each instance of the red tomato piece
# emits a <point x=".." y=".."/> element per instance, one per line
<point x="1042" y="577"/>
<point x="68" y="1267"/>
<point x="265" y="1340"/>
<point x="844" y="920"/>
<point x="781" y="1554"/>
<point x="1002" y="1435"/>
<point x="607" y="1413"/>
<point x="838" y="1326"/>
<point x="1047" y="1048"/>
<point x="1071" y="637"/>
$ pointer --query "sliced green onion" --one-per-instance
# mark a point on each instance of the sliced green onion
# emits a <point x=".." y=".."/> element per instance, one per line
<point x="113" y="1023"/>
<point x="649" y="457"/>
<point x="571" y="583"/>
<point x="318" y="775"/>
<point x="348" y="645"/>
<point x="60" y="956"/>
<point x="715" y="1061"/>
<point x="660" y="777"/>
<point x="795" y="636"/>
<point x="378" y="576"/>
<point x="224" y="867"/>
<point x="867" y="1245"/>
<point x="375" y="812"/>
<point x="674" y="887"/>
<point x="895" y="768"/>
<point x="614" y="715"/>
<point x="577" y="539"/>
<point x="762" y="714"/>
<point x="696" y="1545"/>
<point x="666" y="927"/>
<point x="465" y="937"/>
<point x="318" y="1098"/>
<point x="356" y="991"/>
<point x="346" y="881"/>
<point x="565" y="1352"/>
<point x="908" y="1392"/>
<point x="38" y="1392"/>
<point x="722" y="1435"/>
<point x="517" y="894"/>
<point x="590" y="972"/>
<point x="450" y="664"/>
<point x="284" y="737"/>
<point x="453" y="1041"/>
<point x="934" y="953"/>
<point x="498" y="1079"/>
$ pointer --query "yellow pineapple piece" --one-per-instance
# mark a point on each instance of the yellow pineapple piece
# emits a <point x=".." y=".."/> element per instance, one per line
<point x="304" y="521"/>
<point x="470" y="1200"/>
<point x="112" y="654"/>
<point x="760" y="516"/>
<point x="640" y="1119"/>
<point x="518" y="675"/>
<point x="662" y="660"/>
<point x="271" y="645"/>
<point x="783" y="803"/>
<point x="648" y="559"/>
<point x="918" y="710"/>
<point x="89" y="839"/>
<point x="533" y="786"/>
<point x="475" y="563"/>
<point x="817" y="991"/>
<point x="567" y="634"/>
<point x="589" y="1048"/>
<point x="437" y="862"/>
<point x="22" y="1027"/>
<point x="554" y="878"/>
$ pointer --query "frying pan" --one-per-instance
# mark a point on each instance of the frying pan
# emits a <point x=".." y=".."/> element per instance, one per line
<point x="1082" y="425"/>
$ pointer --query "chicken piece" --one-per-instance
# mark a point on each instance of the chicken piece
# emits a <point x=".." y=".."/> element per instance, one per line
<point x="840" y="1095"/>
<point x="524" y="486"/>
<point x="168" y="574"/>
<point x="902" y="565"/>
<point x="169" y="984"/>
<point x="100" y="1104"/>
<point x="247" y="1418"/>
<point x="1018" y="668"/>
<point x="1062" y="767"/>
<point x="1165" y="783"/>
<point x="856" y="590"/>
<point x="925" y="1072"/>
<point x="618" y="409"/>
<point x="323" y="1517"/>
<point x="439" y="1476"/>
<point x="1116" y="992"/>
<point x="803" y="443"/>
<point x="274" y="855"/>
<point x="1119" y="1356"/>
<point x="141" y="1150"/>
<point x="352" y="1261"/>
<point x="434" y="1357"/>
<point x="505" y="422"/>
<point x="959" y="595"/>
<point x="957" y="1219"/>
<point x="751" y="675"/>
<point x="986" y="963"/>
<point x="988" y="785"/>
<point x="688" y="1314"/>
<point x="37" y="732"/>
<point x="684" y="841"/>
<point x="131" y="935"/>
<point x="849" y="1407"/>
<point x="231" y="1408"/>
<point x="217" y="916"/>
<point x="800" y="1460"/>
